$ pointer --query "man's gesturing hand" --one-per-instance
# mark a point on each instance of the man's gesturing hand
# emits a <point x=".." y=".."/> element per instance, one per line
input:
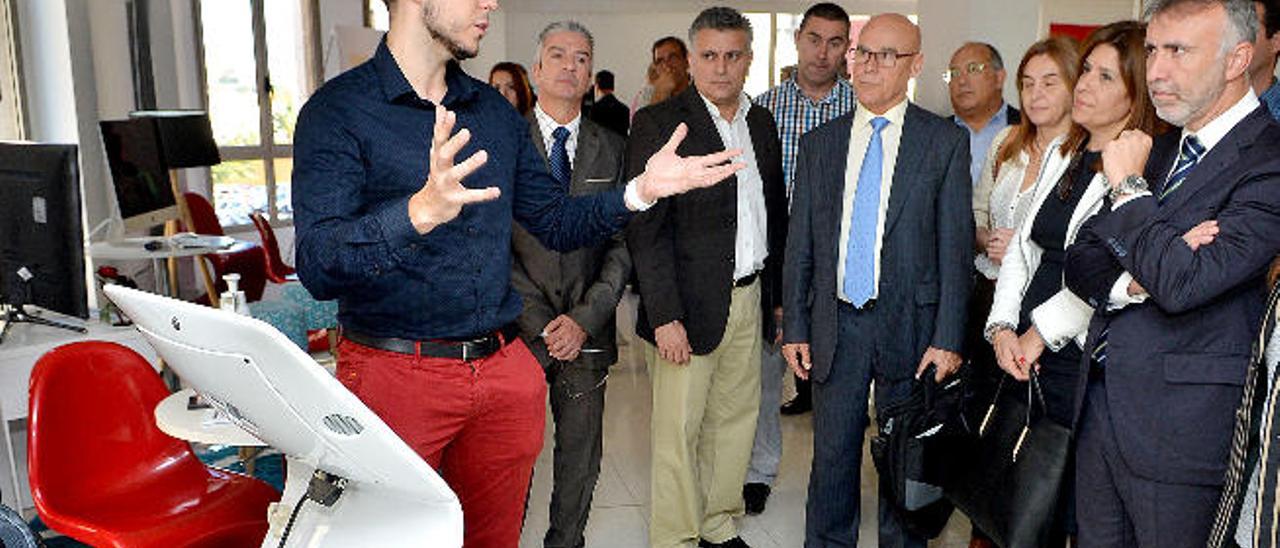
<point x="667" y="174"/>
<point x="442" y="196"/>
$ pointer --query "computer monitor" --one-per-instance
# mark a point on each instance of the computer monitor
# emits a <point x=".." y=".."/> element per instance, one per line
<point x="138" y="173"/>
<point x="41" y="240"/>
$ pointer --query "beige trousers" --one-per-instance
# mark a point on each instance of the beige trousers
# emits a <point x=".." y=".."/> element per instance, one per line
<point x="704" y="423"/>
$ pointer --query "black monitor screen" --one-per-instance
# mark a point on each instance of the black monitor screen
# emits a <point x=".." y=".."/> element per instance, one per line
<point x="137" y="169"/>
<point x="41" y="249"/>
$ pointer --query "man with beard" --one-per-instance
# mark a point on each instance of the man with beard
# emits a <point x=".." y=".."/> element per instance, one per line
<point x="1175" y="267"/>
<point x="418" y="250"/>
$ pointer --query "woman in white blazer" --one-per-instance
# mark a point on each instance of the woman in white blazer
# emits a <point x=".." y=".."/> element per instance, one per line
<point x="1035" y="320"/>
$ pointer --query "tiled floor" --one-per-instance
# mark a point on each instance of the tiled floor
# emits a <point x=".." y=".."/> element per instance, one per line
<point x="620" y="510"/>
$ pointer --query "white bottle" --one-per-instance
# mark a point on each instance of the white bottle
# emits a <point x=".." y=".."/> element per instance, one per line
<point x="233" y="300"/>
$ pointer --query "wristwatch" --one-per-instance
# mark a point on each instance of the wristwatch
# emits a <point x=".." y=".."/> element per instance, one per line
<point x="1132" y="184"/>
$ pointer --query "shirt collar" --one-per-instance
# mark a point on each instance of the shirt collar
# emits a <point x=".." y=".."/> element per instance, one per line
<point x="841" y="87"/>
<point x="744" y="104"/>
<point x="1217" y="129"/>
<point x="545" y="121"/>
<point x="896" y="114"/>
<point x="1000" y="119"/>
<point x="397" y="88"/>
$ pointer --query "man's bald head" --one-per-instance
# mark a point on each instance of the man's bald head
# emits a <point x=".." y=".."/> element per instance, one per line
<point x="898" y="24"/>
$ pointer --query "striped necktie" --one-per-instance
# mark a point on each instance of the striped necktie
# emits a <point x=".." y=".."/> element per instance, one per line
<point x="1190" y="154"/>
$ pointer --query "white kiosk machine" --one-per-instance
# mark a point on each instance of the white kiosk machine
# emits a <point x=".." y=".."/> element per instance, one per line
<point x="351" y="481"/>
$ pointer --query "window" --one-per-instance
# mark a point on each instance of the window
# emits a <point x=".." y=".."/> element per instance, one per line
<point x="10" y="99"/>
<point x="775" y="48"/>
<point x="256" y="56"/>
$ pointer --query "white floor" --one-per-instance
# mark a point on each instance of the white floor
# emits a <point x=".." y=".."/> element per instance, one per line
<point x="620" y="509"/>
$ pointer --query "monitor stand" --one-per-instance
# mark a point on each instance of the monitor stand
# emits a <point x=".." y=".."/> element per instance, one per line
<point x="14" y="314"/>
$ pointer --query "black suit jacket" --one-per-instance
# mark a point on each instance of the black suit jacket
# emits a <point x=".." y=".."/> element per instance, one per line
<point x="926" y="252"/>
<point x="683" y="247"/>
<point x="611" y="114"/>
<point x="1176" y="363"/>
<point x="584" y="284"/>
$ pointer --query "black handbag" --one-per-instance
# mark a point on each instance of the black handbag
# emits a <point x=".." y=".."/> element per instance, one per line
<point x="1013" y="470"/>
<point x="913" y="448"/>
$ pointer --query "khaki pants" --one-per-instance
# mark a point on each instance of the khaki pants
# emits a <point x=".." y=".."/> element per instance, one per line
<point x="704" y="422"/>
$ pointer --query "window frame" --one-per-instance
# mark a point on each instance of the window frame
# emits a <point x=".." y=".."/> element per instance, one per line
<point x="11" y="81"/>
<point x="267" y="151"/>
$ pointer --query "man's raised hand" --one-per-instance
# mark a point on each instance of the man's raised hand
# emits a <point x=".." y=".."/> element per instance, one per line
<point x="442" y="196"/>
<point x="667" y="174"/>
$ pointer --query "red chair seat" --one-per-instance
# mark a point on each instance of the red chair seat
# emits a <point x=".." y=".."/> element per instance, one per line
<point x="102" y="473"/>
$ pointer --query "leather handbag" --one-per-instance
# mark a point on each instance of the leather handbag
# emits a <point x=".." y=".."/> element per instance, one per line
<point x="1013" y="470"/>
<point x="913" y="448"/>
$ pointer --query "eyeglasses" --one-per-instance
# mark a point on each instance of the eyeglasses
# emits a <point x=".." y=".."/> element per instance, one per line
<point x="970" y="69"/>
<point x="885" y="59"/>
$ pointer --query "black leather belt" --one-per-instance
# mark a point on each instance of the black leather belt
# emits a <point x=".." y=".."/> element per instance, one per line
<point x="468" y="349"/>
<point x="746" y="280"/>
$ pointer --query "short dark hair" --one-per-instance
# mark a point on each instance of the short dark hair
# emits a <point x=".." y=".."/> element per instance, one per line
<point x="825" y="10"/>
<point x="1270" y="16"/>
<point x="720" y="18"/>
<point x="604" y="80"/>
<point x="684" y="50"/>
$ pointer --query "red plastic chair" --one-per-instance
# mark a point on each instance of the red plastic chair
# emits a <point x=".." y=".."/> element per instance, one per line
<point x="277" y="271"/>
<point x="102" y="472"/>
<point x="250" y="264"/>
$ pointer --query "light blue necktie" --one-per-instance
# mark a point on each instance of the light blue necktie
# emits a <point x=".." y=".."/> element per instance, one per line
<point x="860" y="255"/>
<point x="559" y="157"/>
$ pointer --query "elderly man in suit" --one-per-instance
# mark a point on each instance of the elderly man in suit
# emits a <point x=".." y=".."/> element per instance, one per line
<point x="570" y="298"/>
<point x="877" y="278"/>
<point x="709" y="267"/>
<point x="1174" y="268"/>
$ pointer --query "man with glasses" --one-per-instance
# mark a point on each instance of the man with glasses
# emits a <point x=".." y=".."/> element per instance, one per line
<point x="812" y="97"/>
<point x="975" y="80"/>
<point x="876" y="288"/>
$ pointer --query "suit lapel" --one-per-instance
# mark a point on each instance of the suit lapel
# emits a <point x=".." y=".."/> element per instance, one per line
<point x="1217" y="161"/>
<point x="535" y="132"/>
<point x="832" y="191"/>
<point x="703" y="137"/>
<point x="585" y="156"/>
<point x="910" y="154"/>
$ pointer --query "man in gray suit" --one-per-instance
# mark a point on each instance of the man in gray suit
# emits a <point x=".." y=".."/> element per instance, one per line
<point x="570" y="298"/>
<point x="876" y="278"/>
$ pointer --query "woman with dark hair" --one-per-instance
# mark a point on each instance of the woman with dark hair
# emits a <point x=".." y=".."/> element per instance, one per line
<point x="1035" y="321"/>
<point x="511" y="80"/>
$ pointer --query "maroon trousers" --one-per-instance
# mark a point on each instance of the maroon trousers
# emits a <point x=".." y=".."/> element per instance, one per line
<point x="478" y="423"/>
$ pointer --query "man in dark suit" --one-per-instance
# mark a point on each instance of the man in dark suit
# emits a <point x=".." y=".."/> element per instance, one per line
<point x="709" y="268"/>
<point x="877" y="268"/>
<point x="608" y="111"/>
<point x="1174" y="266"/>
<point x="570" y="298"/>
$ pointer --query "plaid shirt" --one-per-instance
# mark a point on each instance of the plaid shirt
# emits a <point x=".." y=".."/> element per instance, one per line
<point x="796" y="114"/>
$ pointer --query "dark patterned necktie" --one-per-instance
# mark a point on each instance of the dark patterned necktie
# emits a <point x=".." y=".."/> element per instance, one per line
<point x="1190" y="155"/>
<point x="560" y="170"/>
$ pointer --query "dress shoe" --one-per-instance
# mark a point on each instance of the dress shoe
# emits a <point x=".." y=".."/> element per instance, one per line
<point x="735" y="542"/>
<point x="755" y="495"/>
<point x="797" y="406"/>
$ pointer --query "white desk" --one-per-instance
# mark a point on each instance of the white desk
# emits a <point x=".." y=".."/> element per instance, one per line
<point x="175" y="419"/>
<point x="134" y="249"/>
<point x="24" y="345"/>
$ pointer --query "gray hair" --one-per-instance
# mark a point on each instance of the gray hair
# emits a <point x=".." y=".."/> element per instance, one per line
<point x="993" y="54"/>
<point x="567" y="25"/>
<point x="1242" y="21"/>
<point x="720" y="18"/>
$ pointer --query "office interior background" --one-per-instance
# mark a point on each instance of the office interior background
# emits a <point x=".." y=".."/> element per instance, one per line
<point x="66" y="65"/>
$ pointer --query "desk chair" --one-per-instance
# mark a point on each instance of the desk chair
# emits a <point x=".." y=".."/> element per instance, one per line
<point x="101" y="471"/>
<point x="351" y="481"/>
<point x="250" y="264"/>
<point x="277" y="271"/>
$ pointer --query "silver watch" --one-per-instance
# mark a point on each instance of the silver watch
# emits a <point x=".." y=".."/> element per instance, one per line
<point x="1132" y="184"/>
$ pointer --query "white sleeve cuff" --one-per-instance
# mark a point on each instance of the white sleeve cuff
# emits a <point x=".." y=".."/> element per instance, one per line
<point x="1120" y="296"/>
<point x="632" y="197"/>
<point x="1128" y="198"/>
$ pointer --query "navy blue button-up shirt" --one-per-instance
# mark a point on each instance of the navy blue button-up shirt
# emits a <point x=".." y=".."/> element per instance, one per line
<point x="361" y="150"/>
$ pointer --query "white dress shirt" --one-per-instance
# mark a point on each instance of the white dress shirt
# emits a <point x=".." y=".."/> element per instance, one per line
<point x="548" y="125"/>
<point x="1210" y="135"/>
<point x="859" y="138"/>
<point x="751" y="244"/>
